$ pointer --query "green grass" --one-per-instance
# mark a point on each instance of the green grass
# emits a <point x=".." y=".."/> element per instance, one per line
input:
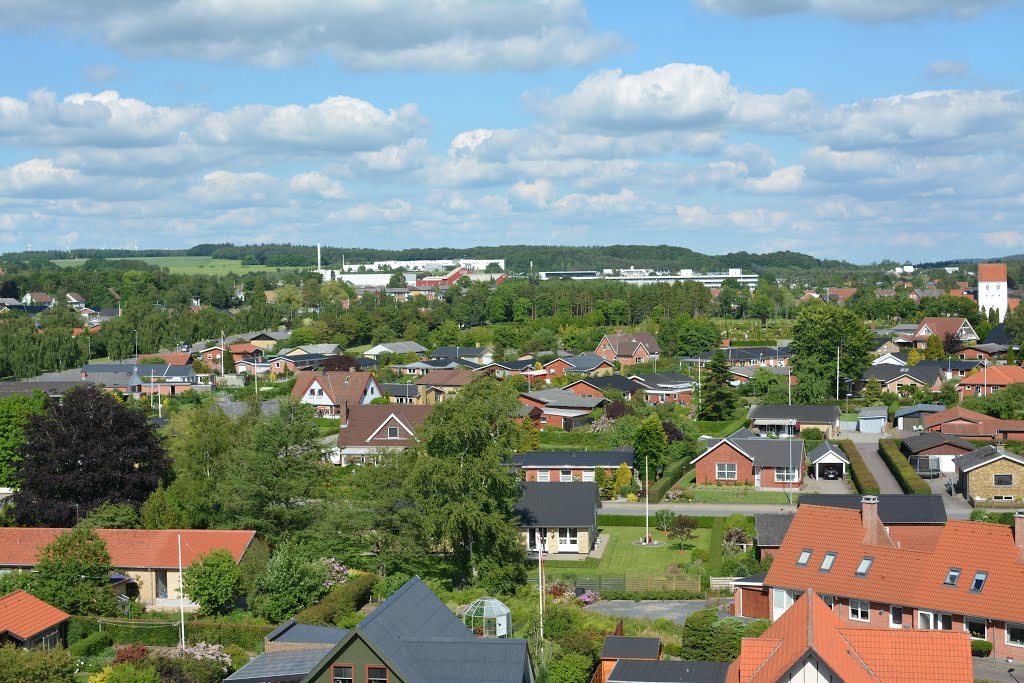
<point x="326" y="426"/>
<point x="187" y="265"/>
<point x="715" y="546"/>
<point x="739" y="494"/>
<point x="622" y="557"/>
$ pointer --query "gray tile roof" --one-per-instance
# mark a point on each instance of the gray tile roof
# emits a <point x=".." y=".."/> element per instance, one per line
<point x="555" y="504"/>
<point x="286" y="665"/>
<point x="611" y="458"/>
<point x="662" y="379"/>
<point x="641" y="671"/>
<point x="893" y="508"/>
<point x="292" y="632"/>
<point x="559" y="398"/>
<point x="815" y="414"/>
<point x="401" y="390"/>
<point x="458" y="351"/>
<point x="771" y="528"/>
<point x="984" y="455"/>
<point x="584" y="362"/>
<point x="926" y="374"/>
<point x="873" y="413"/>
<point x="925" y="440"/>
<point x="824" y="448"/>
<point x="630" y="647"/>
<point x="767" y="452"/>
<point x="614" y="382"/>
<point x="920" y="408"/>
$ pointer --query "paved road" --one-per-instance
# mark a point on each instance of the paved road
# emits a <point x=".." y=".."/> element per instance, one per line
<point x="993" y="669"/>
<point x="698" y="509"/>
<point x="867" y="444"/>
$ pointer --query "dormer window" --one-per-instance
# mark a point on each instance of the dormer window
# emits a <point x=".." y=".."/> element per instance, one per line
<point x="392" y="432"/>
<point x="952" y="577"/>
<point x="865" y="566"/>
<point x="805" y="557"/>
<point x="979" y="581"/>
<point x="827" y="561"/>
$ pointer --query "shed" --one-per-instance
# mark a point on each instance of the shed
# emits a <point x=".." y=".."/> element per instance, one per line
<point x="912" y="417"/>
<point x="872" y="420"/>
<point x="828" y="455"/>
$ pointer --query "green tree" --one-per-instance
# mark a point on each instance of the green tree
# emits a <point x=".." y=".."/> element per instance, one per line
<point x="717" y="397"/>
<point x="229" y="362"/>
<point x="1014" y="325"/>
<point x="873" y="393"/>
<point x="291" y="582"/>
<point x="933" y="349"/>
<point x="203" y="438"/>
<point x="571" y="667"/>
<point x="38" y="666"/>
<point x="725" y="641"/>
<point x="160" y="511"/>
<point x="819" y="333"/>
<point x="112" y="516"/>
<point x="650" y="444"/>
<point x="14" y="416"/>
<point x="212" y="581"/>
<point x="663" y="519"/>
<point x="601" y="479"/>
<point x="623" y="477"/>
<point x="682" y="528"/>
<point x="914" y="357"/>
<point x="761" y="307"/>
<point x="397" y="281"/>
<point x="947" y="395"/>
<point x="72" y="573"/>
<point x="699" y="635"/>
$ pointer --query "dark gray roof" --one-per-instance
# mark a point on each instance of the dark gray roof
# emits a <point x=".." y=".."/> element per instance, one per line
<point x="926" y="374"/>
<point x="984" y="455"/>
<point x="815" y="414"/>
<point x="743" y="354"/>
<point x="554" y="504"/>
<point x="771" y="528"/>
<point x="559" y="398"/>
<point x="754" y="578"/>
<point x="893" y="508"/>
<point x="612" y="458"/>
<point x="583" y="362"/>
<point x="998" y="335"/>
<point x="519" y="365"/>
<point x="614" y="382"/>
<point x="823" y="449"/>
<point x="767" y="452"/>
<point x="925" y="440"/>
<point x="29" y="387"/>
<point x="743" y="433"/>
<point x="662" y="379"/>
<point x="367" y="362"/>
<point x="919" y="409"/>
<point x="630" y="647"/>
<point x="950" y="364"/>
<point x="292" y="632"/>
<point x="458" y="351"/>
<point x="749" y="371"/>
<point x="285" y="665"/>
<point x="641" y="671"/>
<point x="401" y="390"/>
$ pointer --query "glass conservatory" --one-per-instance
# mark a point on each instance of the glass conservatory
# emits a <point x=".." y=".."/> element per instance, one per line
<point x="488" y="618"/>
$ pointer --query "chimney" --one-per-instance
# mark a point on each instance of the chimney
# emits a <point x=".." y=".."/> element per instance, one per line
<point x="1018" y="530"/>
<point x="875" y="532"/>
<point x="869" y="511"/>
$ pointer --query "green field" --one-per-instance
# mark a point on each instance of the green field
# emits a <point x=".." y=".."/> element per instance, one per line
<point x="622" y="557"/>
<point x="188" y="265"/>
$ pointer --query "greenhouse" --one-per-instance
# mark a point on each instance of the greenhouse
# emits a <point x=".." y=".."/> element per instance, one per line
<point x="488" y="618"/>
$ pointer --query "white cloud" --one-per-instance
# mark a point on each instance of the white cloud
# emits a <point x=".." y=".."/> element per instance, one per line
<point x="1004" y="239"/>
<point x="946" y="69"/>
<point x="537" y="193"/>
<point x="788" y="179"/>
<point x="623" y="200"/>
<point x="316" y="184"/>
<point x="427" y="35"/>
<point x="852" y="10"/>
<point x="388" y="211"/>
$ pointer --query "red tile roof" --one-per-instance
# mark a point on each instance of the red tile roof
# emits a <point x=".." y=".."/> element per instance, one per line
<point x="339" y="386"/>
<point x="366" y="425"/>
<point x="992" y="272"/>
<point x="25" y="616"/>
<point x="957" y="413"/>
<point x="128" y="548"/>
<point x="180" y="358"/>
<point x="913" y="578"/>
<point x="995" y="375"/>
<point x="941" y="326"/>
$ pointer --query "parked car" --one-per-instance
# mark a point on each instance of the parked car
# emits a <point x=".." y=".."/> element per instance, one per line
<point x="830" y="472"/>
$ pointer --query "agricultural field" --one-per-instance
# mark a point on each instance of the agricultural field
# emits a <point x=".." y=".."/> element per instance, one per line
<point x="188" y="265"/>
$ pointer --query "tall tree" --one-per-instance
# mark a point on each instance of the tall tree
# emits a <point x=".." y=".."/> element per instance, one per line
<point x="650" y="444"/>
<point x="203" y="438"/>
<point x="821" y="332"/>
<point x="72" y="573"/>
<point x="83" y="452"/>
<point x="873" y="394"/>
<point x="933" y="348"/>
<point x="14" y="416"/>
<point x="717" y="397"/>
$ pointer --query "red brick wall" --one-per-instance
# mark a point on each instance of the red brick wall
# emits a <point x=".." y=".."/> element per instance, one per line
<point x="768" y="477"/>
<point x="585" y="390"/>
<point x="557" y="368"/>
<point x="706" y="470"/>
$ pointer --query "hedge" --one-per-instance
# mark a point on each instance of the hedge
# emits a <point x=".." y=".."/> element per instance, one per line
<point x="637" y="596"/>
<point x="151" y="633"/>
<point x="638" y="520"/>
<point x="672" y="474"/>
<point x="863" y="480"/>
<point x="92" y="645"/>
<point x="346" y="599"/>
<point x="909" y="480"/>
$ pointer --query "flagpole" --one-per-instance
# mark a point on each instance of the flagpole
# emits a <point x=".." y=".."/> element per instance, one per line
<point x="181" y="594"/>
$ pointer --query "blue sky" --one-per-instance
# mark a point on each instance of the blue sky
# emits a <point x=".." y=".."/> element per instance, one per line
<point x="856" y="129"/>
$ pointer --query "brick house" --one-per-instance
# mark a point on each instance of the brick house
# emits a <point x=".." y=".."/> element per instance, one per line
<point x="569" y="466"/>
<point x="666" y="387"/>
<point x="560" y="408"/>
<point x="628" y="349"/>
<point x="991" y="473"/>
<point x="586" y="364"/>
<point x="741" y="460"/>
<point x="959" y="328"/>
<point x="332" y="392"/>
<point x="989" y="380"/>
<point x="369" y="429"/>
<point x="596" y="386"/>
<point x="934" y="452"/>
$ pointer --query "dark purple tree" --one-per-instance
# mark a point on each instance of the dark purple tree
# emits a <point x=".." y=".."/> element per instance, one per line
<point x="342" y="362"/>
<point x="672" y="431"/>
<point x="87" y="450"/>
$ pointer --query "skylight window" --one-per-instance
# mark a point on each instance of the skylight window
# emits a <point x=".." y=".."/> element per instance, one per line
<point x="826" y="562"/>
<point x="952" y="577"/>
<point x="979" y="581"/>
<point x="805" y="557"/>
<point x="864" y="566"/>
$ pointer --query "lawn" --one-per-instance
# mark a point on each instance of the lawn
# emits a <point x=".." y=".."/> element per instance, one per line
<point x="188" y="265"/>
<point x="326" y="426"/>
<point x="739" y="494"/>
<point x="622" y="557"/>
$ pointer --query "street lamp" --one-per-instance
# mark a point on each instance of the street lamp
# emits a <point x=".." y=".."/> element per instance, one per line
<point x="136" y="345"/>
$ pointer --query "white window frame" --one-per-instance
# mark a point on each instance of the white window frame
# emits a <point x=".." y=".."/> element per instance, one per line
<point x="544" y="475"/>
<point x="588" y="475"/>
<point x="976" y="620"/>
<point x="860" y="610"/>
<point x="786" y="475"/>
<point x="1002" y="498"/>
<point x="830" y="557"/>
<point x="864" y="567"/>
<point x="952" y="576"/>
<point x="392" y="430"/>
<point x="804" y="557"/>
<point x="892" y="614"/>
<point x="1019" y="627"/>
<point x="564" y="476"/>
<point x="934" y="619"/>
<point x="984" y="579"/>
<point x="1002" y="486"/>
<point x="721" y="467"/>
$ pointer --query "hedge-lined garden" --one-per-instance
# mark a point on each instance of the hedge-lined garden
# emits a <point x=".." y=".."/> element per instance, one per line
<point x="909" y="480"/>
<point x="148" y="632"/>
<point x="863" y="480"/>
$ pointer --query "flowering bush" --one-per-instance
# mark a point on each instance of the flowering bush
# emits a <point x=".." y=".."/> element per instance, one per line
<point x="590" y="597"/>
<point x="207" y="651"/>
<point x="130" y="653"/>
<point x="337" y="573"/>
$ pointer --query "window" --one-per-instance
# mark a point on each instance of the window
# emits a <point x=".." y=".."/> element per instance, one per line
<point x="50" y="640"/>
<point x="1002" y="497"/>
<point x="895" y="616"/>
<point x="786" y="474"/>
<point x="829" y="600"/>
<point x="827" y="562"/>
<point x="952" y="577"/>
<point x="805" y="557"/>
<point x="976" y="627"/>
<point x="725" y="470"/>
<point x="392" y="432"/>
<point x="979" y="581"/>
<point x="543" y="475"/>
<point x="934" y="621"/>
<point x="1002" y="479"/>
<point x="376" y="674"/>
<point x="161" y="583"/>
<point x="864" y="566"/>
<point x="1015" y="634"/>
<point x="343" y="674"/>
<point x="568" y="536"/>
<point x="565" y="475"/>
<point x="588" y="475"/>
<point x="860" y="610"/>
<point x="312" y="392"/>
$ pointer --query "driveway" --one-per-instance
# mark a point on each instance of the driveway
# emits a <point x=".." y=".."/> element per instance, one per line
<point x="993" y="669"/>
<point x="824" y="486"/>
<point x="673" y="610"/>
<point x="867" y="445"/>
<point x="956" y="505"/>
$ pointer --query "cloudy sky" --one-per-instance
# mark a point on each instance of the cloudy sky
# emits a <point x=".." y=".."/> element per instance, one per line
<point x="860" y="129"/>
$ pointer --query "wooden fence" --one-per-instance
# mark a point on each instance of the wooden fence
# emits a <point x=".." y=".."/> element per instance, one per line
<point x="722" y="582"/>
<point x="622" y="582"/>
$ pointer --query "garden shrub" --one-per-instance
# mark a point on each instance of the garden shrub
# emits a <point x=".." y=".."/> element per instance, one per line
<point x="92" y="645"/>
<point x="909" y="480"/>
<point x="571" y="667"/>
<point x="981" y="648"/>
<point x="698" y="635"/>
<point x="863" y="480"/>
<point x="560" y="622"/>
<point x="346" y="599"/>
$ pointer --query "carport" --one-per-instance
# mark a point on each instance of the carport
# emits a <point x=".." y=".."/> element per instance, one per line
<point x="872" y="420"/>
<point x="826" y="454"/>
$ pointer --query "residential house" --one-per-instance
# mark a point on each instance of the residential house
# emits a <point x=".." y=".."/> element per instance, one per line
<point x="399" y="348"/>
<point x="587" y="364"/>
<point x="406" y="394"/>
<point x="481" y="355"/>
<point x="790" y="420"/>
<point x="752" y="356"/>
<point x="839" y="295"/>
<point x="741" y="460"/>
<point x="985" y="352"/>
<point x="933" y="453"/>
<point x="37" y="299"/>
<point x="958" y="421"/>
<point x="741" y="374"/>
<point x="620" y="648"/>
<point x="827" y="458"/>
<point x="75" y="300"/>
<point x="912" y="417"/>
<point x="255" y="365"/>
<point x="437" y="385"/>
<point x="991" y="474"/>
<point x="148" y="558"/>
<point x="319" y="349"/>
<point x="245" y="351"/>
<point x="170" y="380"/>
<point x="28" y="622"/>
<point x="596" y="386"/>
<point x="178" y="358"/>
<point x="666" y="387"/>
<point x="896" y="379"/>
<point x="120" y="377"/>
<point x="913" y="521"/>
<point x="422" y="367"/>
<point x="569" y="466"/>
<point x="990" y="380"/>
<point x="769" y="530"/>
<point x="525" y="367"/>
<point x="32" y="311"/>
<point x="370" y="429"/>
<point x="412" y="637"/>
<point x="956" y="328"/>
<point x="265" y="340"/>
<point x="628" y="349"/>
<point x="332" y="392"/>
<point x="967" y="583"/>
<point x="558" y="518"/>
<point x="882" y="346"/>
<point x="560" y="408"/>
<point x="279" y="365"/>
